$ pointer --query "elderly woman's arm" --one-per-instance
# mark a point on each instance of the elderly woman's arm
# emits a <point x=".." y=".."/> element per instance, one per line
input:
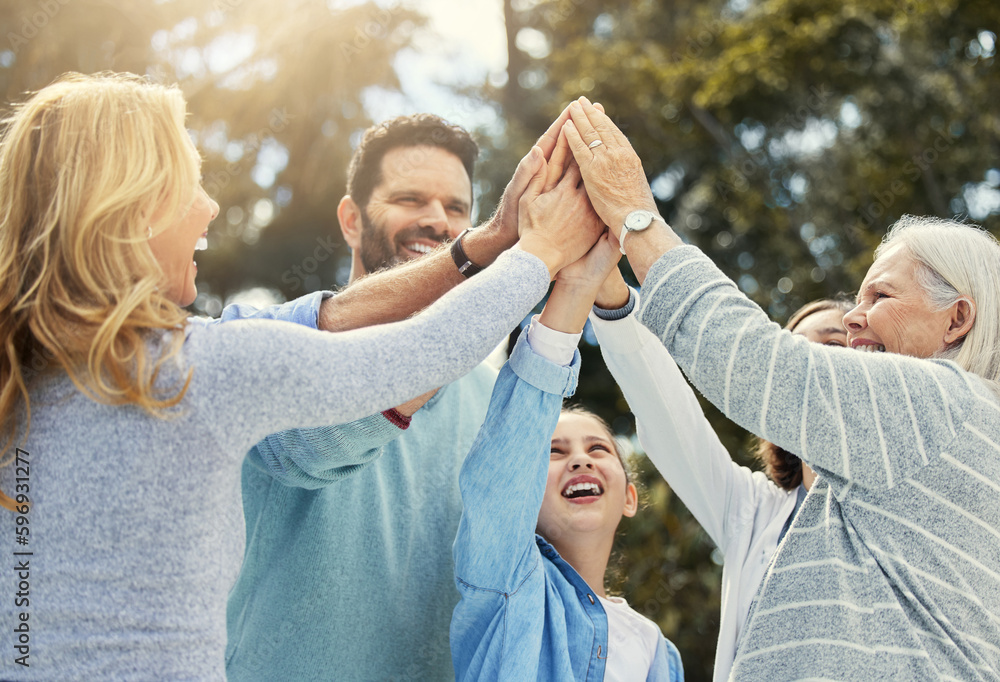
<point x="679" y="440"/>
<point x="869" y="419"/>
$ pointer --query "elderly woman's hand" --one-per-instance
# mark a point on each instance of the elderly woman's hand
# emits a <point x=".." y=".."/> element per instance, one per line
<point x="612" y="171"/>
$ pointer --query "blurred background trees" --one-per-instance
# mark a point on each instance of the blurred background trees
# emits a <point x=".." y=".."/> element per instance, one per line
<point x="780" y="136"/>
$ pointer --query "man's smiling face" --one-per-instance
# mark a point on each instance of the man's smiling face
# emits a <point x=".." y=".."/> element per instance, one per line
<point x="423" y="200"/>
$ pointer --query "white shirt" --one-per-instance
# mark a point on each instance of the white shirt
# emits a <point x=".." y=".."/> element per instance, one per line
<point x="742" y="511"/>
<point x="632" y="642"/>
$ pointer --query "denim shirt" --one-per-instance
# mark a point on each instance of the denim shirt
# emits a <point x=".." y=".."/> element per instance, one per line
<point x="524" y="614"/>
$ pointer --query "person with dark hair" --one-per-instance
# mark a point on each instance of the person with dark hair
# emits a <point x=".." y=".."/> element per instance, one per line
<point x="821" y="321"/>
<point x="744" y="513"/>
<point x="350" y="527"/>
<point x="544" y="491"/>
<point x="420" y="166"/>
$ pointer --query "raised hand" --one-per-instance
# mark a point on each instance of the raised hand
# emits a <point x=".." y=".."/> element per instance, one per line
<point x="559" y="225"/>
<point x="503" y="222"/>
<point x="561" y="156"/>
<point x="590" y="271"/>
<point x="578" y="284"/>
<point x="611" y="170"/>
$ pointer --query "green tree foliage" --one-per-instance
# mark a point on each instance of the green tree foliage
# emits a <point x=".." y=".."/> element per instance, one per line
<point x="274" y="92"/>
<point x="782" y="137"/>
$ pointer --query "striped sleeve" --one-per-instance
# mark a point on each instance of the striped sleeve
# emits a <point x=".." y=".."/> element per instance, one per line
<point x="871" y="420"/>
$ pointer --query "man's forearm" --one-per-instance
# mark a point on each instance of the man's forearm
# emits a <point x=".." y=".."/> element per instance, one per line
<point x="408" y="288"/>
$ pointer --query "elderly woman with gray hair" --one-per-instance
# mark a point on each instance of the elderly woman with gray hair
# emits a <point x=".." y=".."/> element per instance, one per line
<point x="891" y="569"/>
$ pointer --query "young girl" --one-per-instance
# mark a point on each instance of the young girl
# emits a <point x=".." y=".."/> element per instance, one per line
<point x="543" y="495"/>
<point x="125" y="425"/>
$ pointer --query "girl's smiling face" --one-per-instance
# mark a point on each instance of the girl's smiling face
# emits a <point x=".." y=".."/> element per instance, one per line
<point x="586" y="490"/>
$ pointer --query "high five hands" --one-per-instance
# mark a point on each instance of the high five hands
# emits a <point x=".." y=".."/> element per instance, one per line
<point x="585" y="179"/>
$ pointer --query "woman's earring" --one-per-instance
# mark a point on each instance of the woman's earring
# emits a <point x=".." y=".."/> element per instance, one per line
<point x="149" y="232"/>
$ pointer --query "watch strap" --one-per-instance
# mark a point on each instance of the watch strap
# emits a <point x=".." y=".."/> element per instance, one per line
<point x="462" y="261"/>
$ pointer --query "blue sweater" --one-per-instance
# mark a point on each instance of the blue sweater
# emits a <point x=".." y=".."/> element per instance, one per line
<point x="525" y="614"/>
<point x="348" y="569"/>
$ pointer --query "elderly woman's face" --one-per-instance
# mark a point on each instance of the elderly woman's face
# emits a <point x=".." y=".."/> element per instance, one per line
<point x="893" y="313"/>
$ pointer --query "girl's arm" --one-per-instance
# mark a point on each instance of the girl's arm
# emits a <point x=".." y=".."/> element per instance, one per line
<point x="497" y="563"/>
<point x="503" y="478"/>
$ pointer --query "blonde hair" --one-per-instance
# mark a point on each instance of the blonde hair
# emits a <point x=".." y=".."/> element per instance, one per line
<point x="957" y="261"/>
<point x="90" y="167"/>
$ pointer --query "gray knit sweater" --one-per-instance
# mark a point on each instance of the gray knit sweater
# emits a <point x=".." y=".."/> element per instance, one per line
<point x="136" y="528"/>
<point x="891" y="570"/>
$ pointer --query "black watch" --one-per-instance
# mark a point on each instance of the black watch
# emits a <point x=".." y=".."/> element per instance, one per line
<point x="462" y="261"/>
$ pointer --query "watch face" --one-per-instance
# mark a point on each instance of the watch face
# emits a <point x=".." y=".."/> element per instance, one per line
<point x="638" y="220"/>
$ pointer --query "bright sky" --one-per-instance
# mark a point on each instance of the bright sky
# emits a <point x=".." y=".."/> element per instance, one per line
<point x="464" y="44"/>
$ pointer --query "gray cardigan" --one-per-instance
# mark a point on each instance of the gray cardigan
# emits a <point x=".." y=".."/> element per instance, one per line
<point x="136" y="527"/>
<point x="891" y="569"/>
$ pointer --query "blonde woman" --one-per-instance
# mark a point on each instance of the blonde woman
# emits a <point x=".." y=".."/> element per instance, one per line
<point x="125" y="424"/>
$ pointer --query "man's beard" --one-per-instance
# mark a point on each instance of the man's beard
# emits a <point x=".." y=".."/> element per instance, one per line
<point x="378" y="251"/>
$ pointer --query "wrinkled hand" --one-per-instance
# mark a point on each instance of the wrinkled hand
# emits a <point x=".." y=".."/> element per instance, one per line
<point x="611" y="171"/>
<point x="561" y="157"/>
<point x="560" y="225"/>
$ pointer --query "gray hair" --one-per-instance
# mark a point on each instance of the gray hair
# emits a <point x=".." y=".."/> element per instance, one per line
<point x="957" y="261"/>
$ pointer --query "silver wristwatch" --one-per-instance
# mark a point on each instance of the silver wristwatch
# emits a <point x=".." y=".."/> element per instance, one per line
<point x="637" y="221"/>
